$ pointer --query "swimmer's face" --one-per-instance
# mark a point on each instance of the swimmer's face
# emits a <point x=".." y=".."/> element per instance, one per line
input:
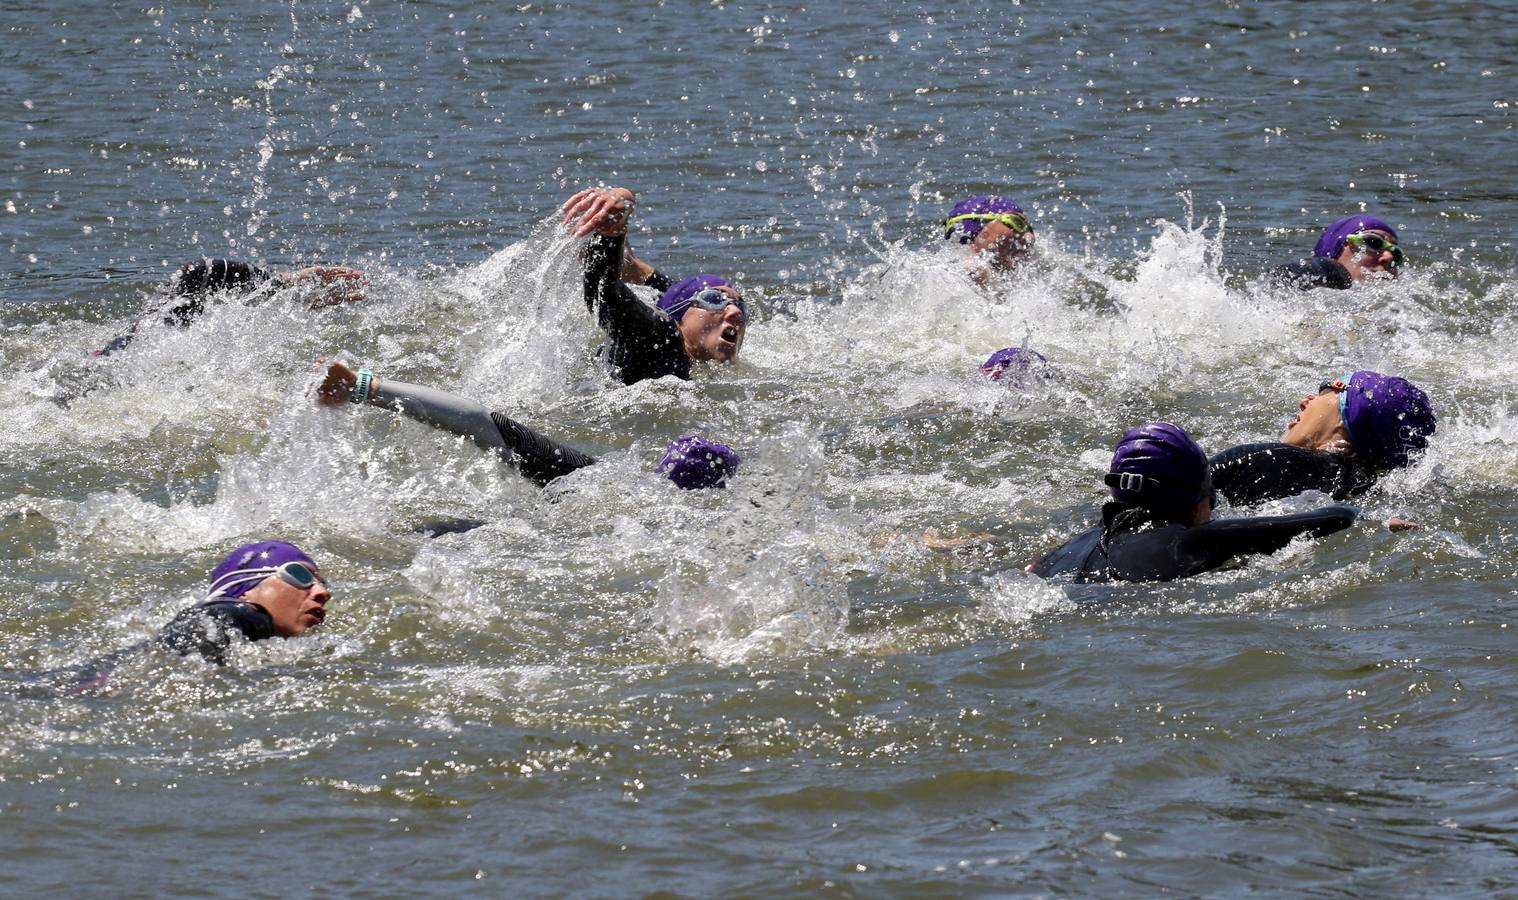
<point x="1000" y="246"/>
<point x="714" y="335"/>
<point x="294" y="610"/>
<point x="1363" y="262"/>
<point x="1318" y="425"/>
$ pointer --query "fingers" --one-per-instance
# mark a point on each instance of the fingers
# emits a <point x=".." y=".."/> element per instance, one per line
<point x="603" y="210"/>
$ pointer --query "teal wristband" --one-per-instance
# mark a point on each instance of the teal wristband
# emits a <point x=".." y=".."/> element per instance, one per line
<point x="361" y="391"/>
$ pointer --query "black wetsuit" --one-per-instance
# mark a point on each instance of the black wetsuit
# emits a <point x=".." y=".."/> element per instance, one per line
<point x="642" y="341"/>
<point x="1132" y="544"/>
<point x="1254" y="473"/>
<point x="1319" y="271"/>
<point x="539" y="458"/>
<point x="209" y="628"/>
<point x="192" y="284"/>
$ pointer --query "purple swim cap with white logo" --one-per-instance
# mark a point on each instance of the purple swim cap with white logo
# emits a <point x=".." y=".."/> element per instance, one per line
<point x="262" y="555"/>
<point x="1388" y="418"/>
<point x="676" y="300"/>
<point x="1159" y="467"/>
<point x="1335" y="236"/>
<point x="693" y="462"/>
<point x="969" y="228"/>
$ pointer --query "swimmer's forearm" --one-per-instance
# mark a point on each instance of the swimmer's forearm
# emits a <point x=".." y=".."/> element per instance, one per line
<point x="439" y="409"/>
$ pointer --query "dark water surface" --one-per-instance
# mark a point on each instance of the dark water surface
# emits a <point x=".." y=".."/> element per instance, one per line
<point x="617" y="688"/>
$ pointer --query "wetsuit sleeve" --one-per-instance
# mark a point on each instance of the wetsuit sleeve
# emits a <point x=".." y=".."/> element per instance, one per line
<point x="440" y="409"/>
<point x="1320" y="271"/>
<point x="210" y="628"/>
<point x="537" y="457"/>
<point x="643" y="342"/>
<point x="659" y="281"/>
<point x="1254" y="473"/>
<point x="1210" y="545"/>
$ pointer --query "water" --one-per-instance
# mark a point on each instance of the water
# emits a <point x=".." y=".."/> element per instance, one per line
<point x="616" y="687"/>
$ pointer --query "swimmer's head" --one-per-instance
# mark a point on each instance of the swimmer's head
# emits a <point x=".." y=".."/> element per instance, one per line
<point x="1362" y="244"/>
<point x="995" y="228"/>
<point x="1014" y="365"/>
<point x="277" y="576"/>
<point x="1388" y="418"/>
<point x="693" y="462"/>
<point x="712" y="316"/>
<point x="1159" y="467"/>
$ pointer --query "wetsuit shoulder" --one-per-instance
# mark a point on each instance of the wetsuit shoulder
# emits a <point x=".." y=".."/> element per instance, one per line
<point x="642" y="341"/>
<point x="1083" y="558"/>
<point x="1254" y="473"/>
<point x="209" y="628"/>
<point x="539" y="458"/>
<point x="1319" y="271"/>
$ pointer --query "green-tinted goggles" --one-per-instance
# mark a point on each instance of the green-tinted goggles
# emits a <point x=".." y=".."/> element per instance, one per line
<point x="1375" y="243"/>
<point x="1012" y="220"/>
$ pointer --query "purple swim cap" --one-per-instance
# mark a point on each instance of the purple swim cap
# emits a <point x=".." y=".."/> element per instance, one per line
<point x="1159" y="467"/>
<point x="676" y="300"/>
<point x="1388" y="418"/>
<point x="694" y="462"/>
<point x="969" y="228"/>
<point x="1335" y="236"/>
<point x="263" y="555"/>
<point x="1013" y="365"/>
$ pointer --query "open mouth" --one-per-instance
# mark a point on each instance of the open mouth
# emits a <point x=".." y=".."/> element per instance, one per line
<point x="730" y="334"/>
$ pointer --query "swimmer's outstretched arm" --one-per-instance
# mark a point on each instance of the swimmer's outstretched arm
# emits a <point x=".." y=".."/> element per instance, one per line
<point x="1214" y="543"/>
<point x="537" y="457"/>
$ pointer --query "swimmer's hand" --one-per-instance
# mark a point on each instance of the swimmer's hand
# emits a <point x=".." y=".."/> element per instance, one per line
<point x="337" y="385"/>
<point x="600" y="211"/>
<point x="1397" y="523"/>
<point x="342" y="284"/>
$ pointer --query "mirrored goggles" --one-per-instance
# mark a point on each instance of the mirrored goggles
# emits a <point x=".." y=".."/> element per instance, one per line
<point x="296" y="574"/>
<point x="716" y="301"/>
<point x="1375" y="243"/>
<point x="1012" y="220"/>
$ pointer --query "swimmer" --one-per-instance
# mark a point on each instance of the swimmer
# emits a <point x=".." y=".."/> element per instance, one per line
<point x="1344" y="436"/>
<point x="197" y="280"/>
<point x="692" y="462"/>
<point x="698" y="319"/>
<point x="1352" y="249"/>
<point x="263" y="590"/>
<point x="995" y="232"/>
<point x="1159" y="526"/>
<point x="1016" y="366"/>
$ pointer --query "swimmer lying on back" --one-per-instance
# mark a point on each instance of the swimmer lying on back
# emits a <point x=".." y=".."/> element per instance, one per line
<point x="199" y="280"/>
<point x="1343" y="438"/>
<point x="1159" y="525"/>
<point x="1352" y="249"/>
<point x="699" y="319"/>
<point x="691" y="462"/>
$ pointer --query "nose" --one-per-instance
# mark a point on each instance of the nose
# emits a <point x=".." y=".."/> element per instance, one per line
<point x="732" y="313"/>
<point x="1306" y="400"/>
<point x="320" y="593"/>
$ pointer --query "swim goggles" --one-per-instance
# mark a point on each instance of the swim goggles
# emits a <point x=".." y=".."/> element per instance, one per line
<point x="1340" y="386"/>
<point x="296" y="574"/>
<point x="716" y="301"/>
<point x="1012" y="220"/>
<point x="1376" y="244"/>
